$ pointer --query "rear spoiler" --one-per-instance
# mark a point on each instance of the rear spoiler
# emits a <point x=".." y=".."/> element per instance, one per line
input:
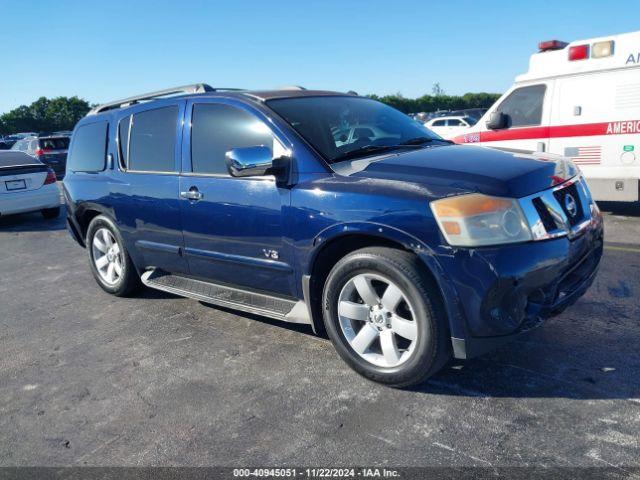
<point x="23" y="169"/>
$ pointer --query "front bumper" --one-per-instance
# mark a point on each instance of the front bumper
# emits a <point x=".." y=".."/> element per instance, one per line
<point x="494" y="294"/>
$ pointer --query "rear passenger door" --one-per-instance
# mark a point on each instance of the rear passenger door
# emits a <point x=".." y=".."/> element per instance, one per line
<point x="146" y="195"/>
<point x="234" y="232"/>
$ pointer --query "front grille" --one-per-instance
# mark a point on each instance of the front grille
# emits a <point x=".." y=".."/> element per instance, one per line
<point x="549" y="213"/>
<point x="547" y="219"/>
<point x="561" y="195"/>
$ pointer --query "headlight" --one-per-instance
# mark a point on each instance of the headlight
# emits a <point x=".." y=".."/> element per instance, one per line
<point x="476" y="220"/>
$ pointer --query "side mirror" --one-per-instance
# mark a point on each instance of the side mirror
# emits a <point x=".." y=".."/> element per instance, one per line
<point x="249" y="161"/>
<point x="497" y="120"/>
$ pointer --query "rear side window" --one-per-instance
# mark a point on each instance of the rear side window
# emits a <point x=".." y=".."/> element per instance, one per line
<point x="153" y="140"/>
<point x="439" y="123"/>
<point x="216" y="129"/>
<point x="523" y="106"/>
<point x="89" y="148"/>
<point x="61" y="143"/>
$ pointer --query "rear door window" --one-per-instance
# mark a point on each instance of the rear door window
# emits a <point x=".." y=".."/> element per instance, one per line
<point x="89" y="148"/>
<point x="523" y="106"/>
<point x="152" y="140"/>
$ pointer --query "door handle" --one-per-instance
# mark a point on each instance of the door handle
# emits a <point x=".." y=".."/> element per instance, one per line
<point x="192" y="194"/>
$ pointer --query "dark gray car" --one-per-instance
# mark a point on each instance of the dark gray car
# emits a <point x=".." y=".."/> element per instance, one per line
<point x="50" y="150"/>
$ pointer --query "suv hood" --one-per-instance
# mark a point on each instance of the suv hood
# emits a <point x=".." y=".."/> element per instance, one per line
<point x="454" y="169"/>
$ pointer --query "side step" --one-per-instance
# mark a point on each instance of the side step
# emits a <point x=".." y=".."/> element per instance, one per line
<point x="231" y="297"/>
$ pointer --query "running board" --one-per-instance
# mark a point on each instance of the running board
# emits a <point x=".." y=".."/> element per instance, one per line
<point x="231" y="297"/>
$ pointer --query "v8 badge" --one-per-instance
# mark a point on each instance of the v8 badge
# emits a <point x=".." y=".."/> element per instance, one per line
<point x="272" y="254"/>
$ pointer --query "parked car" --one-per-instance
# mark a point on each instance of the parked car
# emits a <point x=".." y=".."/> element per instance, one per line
<point x="50" y="150"/>
<point x="474" y="114"/>
<point x="22" y="135"/>
<point x="449" y="127"/>
<point x="27" y="185"/>
<point x="10" y="140"/>
<point x="406" y="249"/>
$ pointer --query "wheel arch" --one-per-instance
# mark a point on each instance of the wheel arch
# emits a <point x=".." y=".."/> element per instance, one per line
<point x="87" y="212"/>
<point x="337" y="241"/>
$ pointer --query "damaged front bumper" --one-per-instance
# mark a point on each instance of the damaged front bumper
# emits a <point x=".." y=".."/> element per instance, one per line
<point x="497" y="293"/>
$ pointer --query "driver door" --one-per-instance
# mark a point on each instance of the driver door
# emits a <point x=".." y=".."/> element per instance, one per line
<point x="233" y="227"/>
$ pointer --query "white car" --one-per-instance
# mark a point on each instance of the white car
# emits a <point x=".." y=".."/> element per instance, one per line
<point x="27" y="185"/>
<point x="449" y="127"/>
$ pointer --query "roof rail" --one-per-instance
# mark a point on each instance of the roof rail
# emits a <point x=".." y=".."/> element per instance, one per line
<point x="125" y="102"/>
<point x="290" y="87"/>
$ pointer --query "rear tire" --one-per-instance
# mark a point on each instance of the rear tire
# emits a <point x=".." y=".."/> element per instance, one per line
<point x="50" y="213"/>
<point x="109" y="260"/>
<point x="385" y="317"/>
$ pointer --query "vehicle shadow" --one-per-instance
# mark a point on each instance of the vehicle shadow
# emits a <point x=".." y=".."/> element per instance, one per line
<point x="297" y="327"/>
<point x="32" y="222"/>
<point x="597" y="367"/>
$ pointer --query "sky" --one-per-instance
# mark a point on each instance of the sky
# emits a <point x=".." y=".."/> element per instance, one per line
<point x="109" y="49"/>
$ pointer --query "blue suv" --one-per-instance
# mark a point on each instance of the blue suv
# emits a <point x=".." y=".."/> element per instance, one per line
<point x="332" y="210"/>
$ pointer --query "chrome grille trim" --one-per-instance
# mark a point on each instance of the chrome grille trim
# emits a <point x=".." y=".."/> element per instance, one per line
<point x="556" y="211"/>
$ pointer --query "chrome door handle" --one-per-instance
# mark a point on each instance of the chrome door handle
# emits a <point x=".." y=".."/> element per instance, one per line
<point x="192" y="194"/>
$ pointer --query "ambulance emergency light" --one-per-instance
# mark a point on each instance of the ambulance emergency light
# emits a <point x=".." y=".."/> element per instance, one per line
<point x="579" y="52"/>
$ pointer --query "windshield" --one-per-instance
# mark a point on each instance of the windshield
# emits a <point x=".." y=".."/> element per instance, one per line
<point x="340" y="127"/>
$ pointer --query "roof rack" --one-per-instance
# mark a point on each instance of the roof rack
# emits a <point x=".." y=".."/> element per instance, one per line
<point x="290" y="87"/>
<point x="125" y="102"/>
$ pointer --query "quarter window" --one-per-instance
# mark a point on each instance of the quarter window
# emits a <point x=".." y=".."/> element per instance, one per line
<point x="123" y="139"/>
<point x="217" y="128"/>
<point x="153" y="140"/>
<point x="523" y="106"/>
<point x="89" y="148"/>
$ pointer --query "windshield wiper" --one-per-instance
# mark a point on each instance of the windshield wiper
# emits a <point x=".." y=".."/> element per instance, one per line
<point x="417" y="141"/>
<point x="364" y="151"/>
<point x="370" y="149"/>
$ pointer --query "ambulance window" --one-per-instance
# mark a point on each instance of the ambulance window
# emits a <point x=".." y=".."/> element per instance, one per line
<point x="524" y="106"/>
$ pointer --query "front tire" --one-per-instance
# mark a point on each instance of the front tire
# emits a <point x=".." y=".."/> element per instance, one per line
<point x="384" y="315"/>
<point x="109" y="260"/>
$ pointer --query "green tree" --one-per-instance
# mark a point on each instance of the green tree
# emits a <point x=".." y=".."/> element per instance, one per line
<point x="431" y="103"/>
<point x="44" y="115"/>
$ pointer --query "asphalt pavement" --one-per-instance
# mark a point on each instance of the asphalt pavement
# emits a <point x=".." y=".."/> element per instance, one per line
<point x="90" y="379"/>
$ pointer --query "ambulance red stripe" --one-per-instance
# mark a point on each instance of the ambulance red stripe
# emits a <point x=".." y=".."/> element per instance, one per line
<point x="622" y="127"/>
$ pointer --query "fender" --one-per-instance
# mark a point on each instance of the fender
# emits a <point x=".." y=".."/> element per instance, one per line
<point x="369" y="228"/>
<point x="75" y="211"/>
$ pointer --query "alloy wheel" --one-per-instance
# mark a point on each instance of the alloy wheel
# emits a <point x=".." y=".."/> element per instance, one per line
<point x="377" y="320"/>
<point x="107" y="256"/>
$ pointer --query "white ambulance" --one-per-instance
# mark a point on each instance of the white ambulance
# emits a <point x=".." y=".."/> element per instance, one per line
<point x="580" y="100"/>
